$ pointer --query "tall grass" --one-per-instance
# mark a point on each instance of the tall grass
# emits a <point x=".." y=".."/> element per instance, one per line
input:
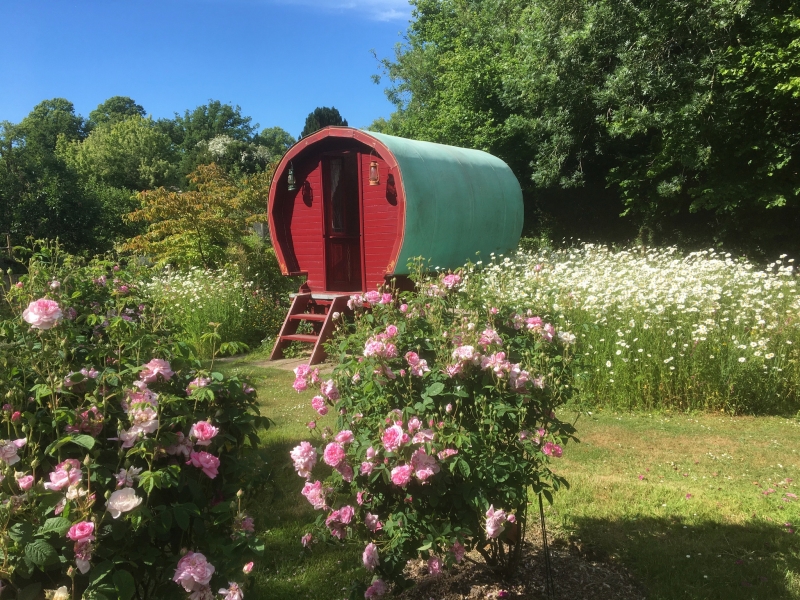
<point x="195" y="298"/>
<point x="657" y="329"/>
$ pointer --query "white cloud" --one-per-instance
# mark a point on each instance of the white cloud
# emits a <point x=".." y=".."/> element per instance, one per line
<point x="377" y="10"/>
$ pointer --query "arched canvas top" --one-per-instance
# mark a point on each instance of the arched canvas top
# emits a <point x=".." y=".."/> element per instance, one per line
<point x="458" y="202"/>
<point x="436" y="201"/>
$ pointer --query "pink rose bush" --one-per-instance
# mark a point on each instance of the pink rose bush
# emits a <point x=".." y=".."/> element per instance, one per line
<point x="119" y="448"/>
<point x="418" y="385"/>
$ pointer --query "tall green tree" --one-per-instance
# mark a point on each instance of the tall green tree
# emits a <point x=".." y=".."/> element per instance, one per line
<point x="116" y="108"/>
<point x="320" y="117"/>
<point x="39" y="195"/>
<point x="127" y="153"/>
<point x="276" y="140"/>
<point x="193" y="131"/>
<point x="683" y="115"/>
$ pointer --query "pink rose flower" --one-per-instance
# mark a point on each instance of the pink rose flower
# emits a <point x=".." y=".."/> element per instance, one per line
<point x="552" y="449"/>
<point x="83" y="554"/>
<point x="9" y="448"/>
<point x="422" y="436"/>
<point x="386" y="298"/>
<point x="344" y="437"/>
<point x="447" y="453"/>
<point x="333" y="454"/>
<point x="205" y="461"/>
<point x="67" y="473"/>
<point x="183" y="445"/>
<point x="329" y="390"/>
<point x="403" y="308"/>
<point x="372" y="522"/>
<point x="458" y="551"/>
<point x="495" y="520"/>
<point x="154" y="368"/>
<point x="315" y="494"/>
<point x="194" y="572"/>
<point x="42" y="314"/>
<point x="305" y="458"/>
<point x="376" y="590"/>
<point x="127" y="477"/>
<point x="366" y="467"/>
<point x="346" y="471"/>
<point x="424" y="466"/>
<point x="25" y="482"/>
<point x="197" y="383"/>
<point x="371" y="453"/>
<point x="393" y="438"/>
<point x="370" y="557"/>
<point x="232" y="592"/>
<point x="247" y="569"/>
<point x="81" y="532"/>
<point x="318" y="404"/>
<point x="391" y="330"/>
<point x="434" y="565"/>
<point x="300" y="385"/>
<point x="402" y="475"/>
<point x="203" y="432"/>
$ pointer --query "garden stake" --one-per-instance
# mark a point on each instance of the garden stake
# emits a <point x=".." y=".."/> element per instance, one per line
<point x="549" y="586"/>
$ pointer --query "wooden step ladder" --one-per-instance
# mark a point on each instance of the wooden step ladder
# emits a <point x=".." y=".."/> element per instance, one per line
<point x="317" y="309"/>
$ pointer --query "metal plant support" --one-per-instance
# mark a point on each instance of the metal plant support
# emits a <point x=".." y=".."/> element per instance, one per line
<point x="549" y="585"/>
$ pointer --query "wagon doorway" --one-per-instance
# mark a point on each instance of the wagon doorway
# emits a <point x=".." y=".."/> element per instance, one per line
<point x="342" y="230"/>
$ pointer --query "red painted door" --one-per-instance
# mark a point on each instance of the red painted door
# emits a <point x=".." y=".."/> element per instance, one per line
<point x="342" y="222"/>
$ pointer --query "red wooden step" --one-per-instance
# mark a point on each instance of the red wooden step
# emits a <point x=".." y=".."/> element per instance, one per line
<point x="308" y="317"/>
<point x="300" y="337"/>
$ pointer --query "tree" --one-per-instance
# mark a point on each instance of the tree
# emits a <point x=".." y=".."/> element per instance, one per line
<point x="193" y="131"/>
<point x="320" y="117"/>
<point x="126" y="153"/>
<point x="200" y="226"/>
<point x="650" y="108"/>
<point x="116" y="108"/>
<point x="39" y="195"/>
<point x="276" y="140"/>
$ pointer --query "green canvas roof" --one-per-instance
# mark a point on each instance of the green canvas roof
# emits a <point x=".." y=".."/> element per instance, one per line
<point x="457" y="202"/>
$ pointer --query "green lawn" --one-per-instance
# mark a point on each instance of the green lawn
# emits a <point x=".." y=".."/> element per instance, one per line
<point x="287" y="570"/>
<point x="680" y="501"/>
<point x="677" y="499"/>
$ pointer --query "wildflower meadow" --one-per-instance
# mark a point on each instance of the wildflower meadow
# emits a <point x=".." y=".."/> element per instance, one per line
<point x="657" y="329"/>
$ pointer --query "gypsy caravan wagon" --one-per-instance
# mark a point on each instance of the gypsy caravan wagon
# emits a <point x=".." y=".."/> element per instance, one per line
<point x="349" y="208"/>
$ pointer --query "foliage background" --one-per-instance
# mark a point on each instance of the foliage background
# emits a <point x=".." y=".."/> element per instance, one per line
<point x="680" y="116"/>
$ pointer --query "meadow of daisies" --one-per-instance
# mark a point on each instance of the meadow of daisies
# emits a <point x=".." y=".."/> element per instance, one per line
<point x="660" y="329"/>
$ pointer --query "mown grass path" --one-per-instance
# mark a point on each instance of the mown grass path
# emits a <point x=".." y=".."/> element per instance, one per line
<point x="682" y="501"/>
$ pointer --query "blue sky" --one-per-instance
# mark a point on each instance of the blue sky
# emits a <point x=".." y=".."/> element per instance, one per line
<point x="277" y="59"/>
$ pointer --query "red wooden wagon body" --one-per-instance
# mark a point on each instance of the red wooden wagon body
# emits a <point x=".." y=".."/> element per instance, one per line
<point x="349" y="208"/>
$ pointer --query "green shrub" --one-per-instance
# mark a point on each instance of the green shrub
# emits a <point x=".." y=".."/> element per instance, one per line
<point x="120" y="453"/>
<point x="447" y="419"/>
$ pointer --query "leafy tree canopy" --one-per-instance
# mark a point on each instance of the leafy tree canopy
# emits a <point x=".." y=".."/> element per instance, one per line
<point x="194" y="130"/>
<point x="129" y="153"/>
<point x="39" y="195"/>
<point x="116" y="108"/>
<point x="320" y="117"/>
<point x="199" y="227"/>
<point x="682" y="115"/>
<point x="276" y="140"/>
